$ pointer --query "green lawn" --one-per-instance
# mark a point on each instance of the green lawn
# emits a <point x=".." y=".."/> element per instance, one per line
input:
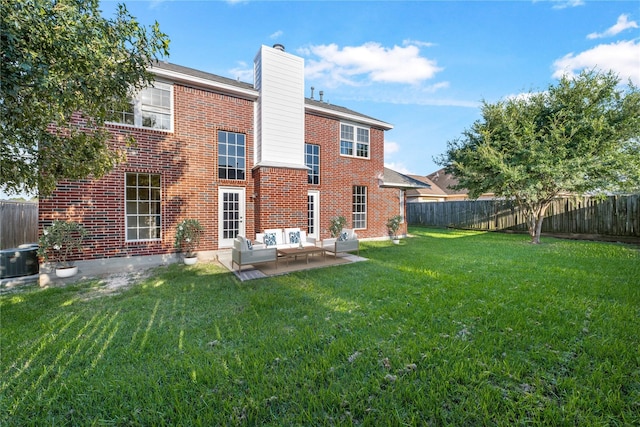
<point x="448" y="328"/>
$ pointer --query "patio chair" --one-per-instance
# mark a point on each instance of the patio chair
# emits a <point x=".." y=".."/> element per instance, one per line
<point x="243" y="253"/>
<point x="346" y="242"/>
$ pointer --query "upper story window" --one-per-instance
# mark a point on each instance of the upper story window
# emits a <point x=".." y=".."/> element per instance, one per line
<point x="354" y="141"/>
<point x="312" y="161"/>
<point x="231" y="155"/>
<point x="152" y="108"/>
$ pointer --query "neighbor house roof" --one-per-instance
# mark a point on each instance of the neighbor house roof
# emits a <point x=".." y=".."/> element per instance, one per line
<point x="431" y="190"/>
<point x="440" y="186"/>
<point x="445" y="181"/>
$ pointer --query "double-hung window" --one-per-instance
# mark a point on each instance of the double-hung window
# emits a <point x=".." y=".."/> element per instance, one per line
<point x="354" y="141"/>
<point x="152" y="108"/>
<point x="312" y="161"/>
<point x="359" y="214"/>
<point x="142" y="206"/>
<point x="231" y="155"/>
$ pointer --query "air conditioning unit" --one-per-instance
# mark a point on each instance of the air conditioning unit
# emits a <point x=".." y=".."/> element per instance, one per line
<point x="20" y="261"/>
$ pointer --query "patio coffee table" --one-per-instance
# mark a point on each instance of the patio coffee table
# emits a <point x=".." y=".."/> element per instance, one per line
<point x="288" y="253"/>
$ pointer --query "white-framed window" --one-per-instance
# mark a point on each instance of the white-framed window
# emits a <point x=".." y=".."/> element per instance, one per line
<point x="312" y="161"/>
<point x="359" y="214"/>
<point x="152" y="108"/>
<point x="231" y="155"/>
<point x="142" y="206"/>
<point x="354" y="141"/>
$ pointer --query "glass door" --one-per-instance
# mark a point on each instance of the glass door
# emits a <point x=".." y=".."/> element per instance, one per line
<point x="231" y="211"/>
<point x="313" y="217"/>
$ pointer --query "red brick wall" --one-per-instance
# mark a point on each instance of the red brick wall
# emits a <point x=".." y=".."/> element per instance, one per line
<point x="282" y="196"/>
<point x="187" y="161"/>
<point x="338" y="175"/>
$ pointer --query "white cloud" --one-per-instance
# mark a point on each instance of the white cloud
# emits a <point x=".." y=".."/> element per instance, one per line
<point x="391" y="147"/>
<point x="370" y="62"/>
<point x="409" y="42"/>
<point x="622" y="24"/>
<point x="436" y="87"/>
<point x="524" y="96"/>
<point x="242" y="72"/>
<point x="623" y="58"/>
<point x="398" y="167"/>
<point x="276" y="35"/>
<point x="563" y="4"/>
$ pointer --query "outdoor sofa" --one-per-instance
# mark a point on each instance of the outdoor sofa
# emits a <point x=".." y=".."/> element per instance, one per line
<point x="284" y="238"/>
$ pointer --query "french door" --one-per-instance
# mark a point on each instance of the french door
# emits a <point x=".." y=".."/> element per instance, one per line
<point x="231" y="213"/>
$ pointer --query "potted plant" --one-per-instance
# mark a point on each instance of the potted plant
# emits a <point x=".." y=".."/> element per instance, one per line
<point x="336" y="225"/>
<point x="58" y="242"/>
<point x="393" y="224"/>
<point x="188" y="234"/>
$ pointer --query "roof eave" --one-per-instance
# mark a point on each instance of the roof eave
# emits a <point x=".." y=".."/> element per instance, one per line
<point x="403" y="185"/>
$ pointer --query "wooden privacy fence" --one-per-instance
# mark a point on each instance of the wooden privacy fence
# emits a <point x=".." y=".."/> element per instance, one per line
<point x="612" y="216"/>
<point x="18" y="223"/>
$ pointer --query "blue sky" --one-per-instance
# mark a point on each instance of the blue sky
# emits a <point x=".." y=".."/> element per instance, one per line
<point x="423" y="66"/>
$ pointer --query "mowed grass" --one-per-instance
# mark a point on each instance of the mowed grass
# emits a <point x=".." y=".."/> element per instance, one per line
<point x="447" y="328"/>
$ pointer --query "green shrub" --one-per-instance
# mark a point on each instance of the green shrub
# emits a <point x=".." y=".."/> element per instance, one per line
<point x="60" y="240"/>
<point x="188" y="234"/>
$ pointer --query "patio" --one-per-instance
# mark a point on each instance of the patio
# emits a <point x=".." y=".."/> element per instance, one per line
<point x="269" y="269"/>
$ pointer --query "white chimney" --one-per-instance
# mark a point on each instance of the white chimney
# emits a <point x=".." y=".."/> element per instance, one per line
<point x="279" y="77"/>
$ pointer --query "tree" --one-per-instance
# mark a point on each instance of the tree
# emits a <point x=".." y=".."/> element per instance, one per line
<point x="65" y="68"/>
<point x="580" y="136"/>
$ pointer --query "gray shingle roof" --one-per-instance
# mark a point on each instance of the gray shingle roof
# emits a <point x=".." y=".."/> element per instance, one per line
<point x="202" y="75"/>
<point x="398" y="180"/>
<point x="314" y="105"/>
<point x="336" y="108"/>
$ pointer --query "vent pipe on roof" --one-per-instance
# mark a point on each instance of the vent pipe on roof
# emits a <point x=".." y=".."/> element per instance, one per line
<point x="312" y="88"/>
<point x="279" y="47"/>
<point x="321" y="95"/>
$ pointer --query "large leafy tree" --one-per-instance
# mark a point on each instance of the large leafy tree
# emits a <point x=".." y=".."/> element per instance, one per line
<point x="65" y="67"/>
<point x="579" y="136"/>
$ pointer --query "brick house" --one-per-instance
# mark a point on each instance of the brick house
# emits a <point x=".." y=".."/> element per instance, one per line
<point x="238" y="157"/>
